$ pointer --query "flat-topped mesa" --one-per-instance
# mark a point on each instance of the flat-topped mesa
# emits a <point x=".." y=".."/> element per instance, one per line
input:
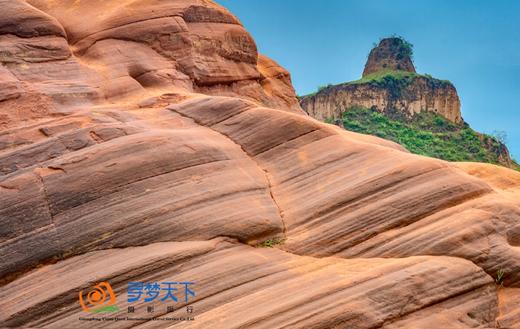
<point x="393" y="54"/>
<point x="389" y="84"/>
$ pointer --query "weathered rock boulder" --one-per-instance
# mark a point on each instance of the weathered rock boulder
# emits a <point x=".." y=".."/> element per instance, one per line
<point x="120" y="163"/>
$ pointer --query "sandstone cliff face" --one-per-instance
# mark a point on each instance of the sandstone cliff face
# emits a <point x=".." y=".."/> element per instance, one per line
<point x="57" y="54"/>
<point x="115" y="167"/>
<point x="417" y="95"/>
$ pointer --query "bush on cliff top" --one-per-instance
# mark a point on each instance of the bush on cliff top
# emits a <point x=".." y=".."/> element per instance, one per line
<point x="426" y="134"/>
<point x="395" y="81"/>
<point x="380" y="78"/>
<point x="405" y="47"/>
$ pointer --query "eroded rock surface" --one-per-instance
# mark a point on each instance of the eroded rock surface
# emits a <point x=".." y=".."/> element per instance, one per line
<point x="148" y="141"/>
<point x="390" y="54"/>
<point x="369" y="292"/>
<point x="408" y="96"/>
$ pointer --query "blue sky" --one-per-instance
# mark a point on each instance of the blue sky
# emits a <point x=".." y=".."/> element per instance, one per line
<point x="473" y="43"/>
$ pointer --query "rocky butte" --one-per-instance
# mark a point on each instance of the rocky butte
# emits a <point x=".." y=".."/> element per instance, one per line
<point x="389" y="82"/>
<point x="391" y="86"/>
<point x="148" y="141"/>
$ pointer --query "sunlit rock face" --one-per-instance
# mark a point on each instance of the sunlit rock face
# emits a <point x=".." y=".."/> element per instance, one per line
<point x="148" y="141"/>
<point x="414" y="96"/>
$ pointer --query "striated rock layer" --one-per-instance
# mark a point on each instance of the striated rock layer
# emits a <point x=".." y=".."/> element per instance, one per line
<point x="148" y="141"/>
<point x="408" y="96"/>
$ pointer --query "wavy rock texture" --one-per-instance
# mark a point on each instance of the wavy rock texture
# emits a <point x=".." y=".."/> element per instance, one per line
<point x="364" y="289"/>
<point x="148" y="141"/>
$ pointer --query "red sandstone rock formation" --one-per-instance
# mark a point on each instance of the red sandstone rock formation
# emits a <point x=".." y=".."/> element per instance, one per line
<point x="119" y="162"/>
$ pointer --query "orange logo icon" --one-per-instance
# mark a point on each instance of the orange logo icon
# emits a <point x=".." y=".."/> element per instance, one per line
<point x="99" y="298"/>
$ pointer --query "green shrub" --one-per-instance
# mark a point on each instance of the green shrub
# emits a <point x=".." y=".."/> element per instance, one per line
<point x="271" y="243"/>
<point x="405" y="48"/>
<point x="425" y="133"/>
<point x="397" y="79"/>
<point x="499" y="280"/>
<point x="516" y="165"/>
<point x="322" y="87"/>
<point x="329" y="120"/>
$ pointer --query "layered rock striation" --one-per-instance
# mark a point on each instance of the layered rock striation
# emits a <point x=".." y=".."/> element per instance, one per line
<point x="139" y="143"/>
<point x="58" y="53"/>
<point x="407" y="95"/>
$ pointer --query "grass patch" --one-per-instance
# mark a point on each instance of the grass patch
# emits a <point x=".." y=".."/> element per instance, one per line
<point x="380" y="77"/>
<point x="499" y="280"/>
<point x="271" y="243"/>
<point x="394" y="81"/>
<point x="426" y="134"/>
<point x="323" y="87"/>
<point x="516" y="165"/>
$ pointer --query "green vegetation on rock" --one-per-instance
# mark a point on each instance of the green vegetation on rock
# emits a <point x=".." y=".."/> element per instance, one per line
<point x="271" y="243"/>
<point x="499" y="280"/>
<point x="323" y="87"/>
<point x="425" y="133"/>
<point x="381" y="78"/>
<point x="405" y="47"/>
<point x="394" y="81"/>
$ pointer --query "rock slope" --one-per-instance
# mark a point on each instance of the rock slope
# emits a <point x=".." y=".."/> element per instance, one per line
<point x="146" y="141"/>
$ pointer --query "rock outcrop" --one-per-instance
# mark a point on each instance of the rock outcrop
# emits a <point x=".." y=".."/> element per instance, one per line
<point x="392" y="54"/>
<point x="58" y="52"/>
<point x="139" y="144"/>
<point x="389" y="83"/>
<point x="408" y="95"/>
